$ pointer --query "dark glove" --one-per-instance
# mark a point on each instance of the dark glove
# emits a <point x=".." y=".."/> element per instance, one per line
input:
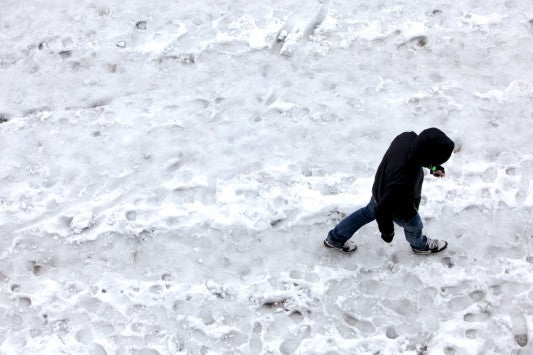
<point x="387" y="236"/>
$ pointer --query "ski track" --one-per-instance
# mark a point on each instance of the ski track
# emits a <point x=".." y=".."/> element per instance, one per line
<point x="171" y="169"/>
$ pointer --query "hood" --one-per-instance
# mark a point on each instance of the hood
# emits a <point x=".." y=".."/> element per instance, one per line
<point x="432" y="147"/>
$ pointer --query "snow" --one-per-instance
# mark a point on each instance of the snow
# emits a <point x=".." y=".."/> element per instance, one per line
<point x="170" y="169"/>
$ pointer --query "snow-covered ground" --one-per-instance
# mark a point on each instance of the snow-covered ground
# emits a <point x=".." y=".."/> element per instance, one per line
<point x="169" y="170"/>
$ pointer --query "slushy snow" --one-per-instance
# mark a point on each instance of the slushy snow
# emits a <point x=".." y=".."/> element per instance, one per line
<point x="170" y="169"/>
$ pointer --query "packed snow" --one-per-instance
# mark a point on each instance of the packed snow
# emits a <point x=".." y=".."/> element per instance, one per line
<point x="170" y="170"/>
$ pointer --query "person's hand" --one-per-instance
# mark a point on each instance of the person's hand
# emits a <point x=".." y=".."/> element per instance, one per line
<point x="439" y="173"/>
<point x="387" y="236"/>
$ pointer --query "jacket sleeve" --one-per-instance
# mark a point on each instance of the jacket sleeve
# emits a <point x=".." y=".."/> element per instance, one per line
<point x="396" y="199"/>
<point x="384" y="215"/>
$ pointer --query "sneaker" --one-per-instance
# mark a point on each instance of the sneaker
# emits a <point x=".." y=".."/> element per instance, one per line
<point x="348" y="247"/>
<point x="432" y="246"/>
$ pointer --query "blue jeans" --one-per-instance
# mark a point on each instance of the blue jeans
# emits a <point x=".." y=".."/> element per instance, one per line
<point x="351" y="224"/>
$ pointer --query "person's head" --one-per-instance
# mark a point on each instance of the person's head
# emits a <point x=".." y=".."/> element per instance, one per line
<point x="432" y="147"/>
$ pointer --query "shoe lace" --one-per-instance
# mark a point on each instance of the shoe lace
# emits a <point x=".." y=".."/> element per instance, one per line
<point x="432" y="243"/>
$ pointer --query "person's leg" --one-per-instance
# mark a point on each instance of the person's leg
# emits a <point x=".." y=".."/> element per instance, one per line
<point x="348" y="226"/>
<point x="413" y="231"/>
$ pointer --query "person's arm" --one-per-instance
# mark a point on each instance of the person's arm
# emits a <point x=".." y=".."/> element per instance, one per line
<point x="384" y="218"/>
<point x="395" y="198"/>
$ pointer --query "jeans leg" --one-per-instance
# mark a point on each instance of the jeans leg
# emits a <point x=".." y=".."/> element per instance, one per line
<point x="413" y="231"/>
<point x="348" y="226"/>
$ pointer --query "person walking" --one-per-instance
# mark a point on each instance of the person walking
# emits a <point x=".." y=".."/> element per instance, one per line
<point x="397" y="191"/>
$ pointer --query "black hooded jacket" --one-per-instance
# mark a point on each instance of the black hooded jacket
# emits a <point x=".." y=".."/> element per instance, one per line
<point x="398" y="182"/>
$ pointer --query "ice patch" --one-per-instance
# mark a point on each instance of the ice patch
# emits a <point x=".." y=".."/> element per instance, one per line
<point x="186" y="181"/>
<point x="282" y="106"/>
<point x="411" y="29"/>
<point x="372" y="31"/>
<point x="480" y="20"/>
<point x="82" y="221"/>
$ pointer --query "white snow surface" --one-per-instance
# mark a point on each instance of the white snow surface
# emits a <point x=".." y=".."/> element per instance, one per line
<point x="170" y="169"/>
